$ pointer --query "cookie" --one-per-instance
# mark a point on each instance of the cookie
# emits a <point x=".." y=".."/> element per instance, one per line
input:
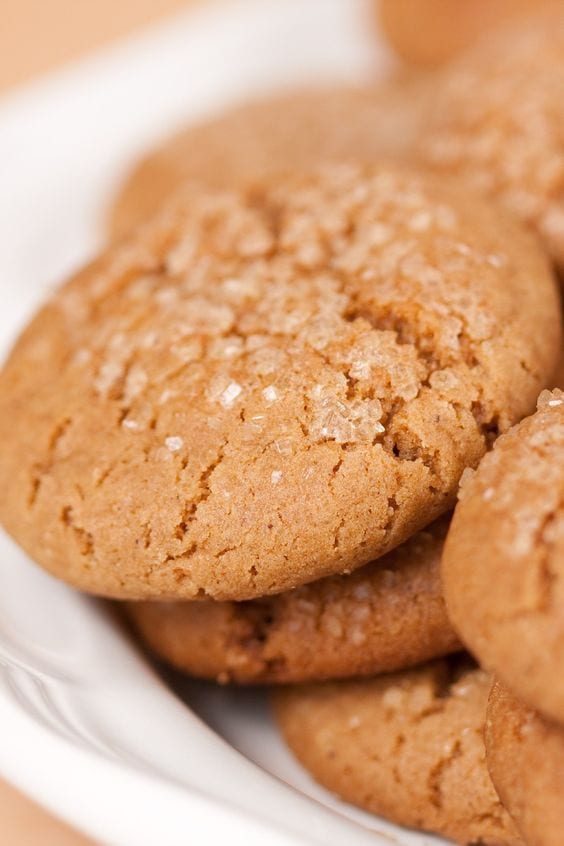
<point x="430" y="32"/>
<point x="408" y="747"/>
<point x="498" y="121"/>
<point x="267" y="387"/>
<point x="558" y="380"/>
<point x="525" y="756"/>
<point x="503" y="564"/>
<point x="296" y="129"/>
<point x="386" y="616"/>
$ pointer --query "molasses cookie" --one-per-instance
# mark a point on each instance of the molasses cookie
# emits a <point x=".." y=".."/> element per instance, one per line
<point x="383" y="617"/>
<point x="297" y="129"/>
<point x="266" y="387"/>
<point x="408" y="747"/>
<point x="498" y="121"/>
<point x="525" y="756"/>
<point x="503" y="564"/>
<point x="559" y="379"/>
<point x="431" y="32"/>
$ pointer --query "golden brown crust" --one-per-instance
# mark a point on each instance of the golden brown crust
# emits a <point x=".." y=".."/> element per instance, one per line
<point x="525" y="755"/>
<point x="264" y="388"/>
<point x="385" y="616"/>
<point x="498" y="121"/>
<point x="503" y="565"/>
<point x="408" y="747"/>
<point x="299" y="129"/>
<point x="558" y="380"/>
<point x="430" y="32"/>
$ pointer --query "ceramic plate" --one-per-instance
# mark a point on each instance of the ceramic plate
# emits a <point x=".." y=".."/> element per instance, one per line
<point x="88" y="727"/>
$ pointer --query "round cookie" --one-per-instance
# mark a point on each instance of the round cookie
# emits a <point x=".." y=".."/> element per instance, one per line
<point x="525" y="755"/>
<point x="385" y="616"/>
<point x="498" y="121"/>
<point x="408" y="747"/>
<point x="297" y="129"/>
<point x="266" y="387"/>
<point x="503" y="564"/>
<point x="431" y="32"/>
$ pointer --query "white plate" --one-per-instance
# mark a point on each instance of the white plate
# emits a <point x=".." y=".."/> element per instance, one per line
<point x="88" y="728"/>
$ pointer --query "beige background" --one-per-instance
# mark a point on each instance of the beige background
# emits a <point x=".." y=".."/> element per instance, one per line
<point x="36" y="36"/>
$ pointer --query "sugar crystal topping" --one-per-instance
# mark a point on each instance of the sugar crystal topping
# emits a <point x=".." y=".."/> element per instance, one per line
<point x="310" y="309"/>
<point x="174" y="443"/>
<point x="509" y="137"/>
<point x="270" y="393"/>
<point x="230" y="394"/>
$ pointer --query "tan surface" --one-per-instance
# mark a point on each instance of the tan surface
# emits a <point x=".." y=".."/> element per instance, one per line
<point x="36" y="35"/>
<point x="22" y="823"/>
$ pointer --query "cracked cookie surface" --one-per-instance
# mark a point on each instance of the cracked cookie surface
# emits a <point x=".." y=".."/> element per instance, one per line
<point x="385" y="616"/>
<point x="503" y="564"/>
<point x="266" y="387"/>
<point x="292" y="130"/>
<point x="525" y="756"/>
<point x="498" y="121"/>
<point x="408" y="747"/>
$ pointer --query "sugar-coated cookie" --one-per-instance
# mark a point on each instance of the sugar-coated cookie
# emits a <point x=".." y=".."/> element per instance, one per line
<point x="503" y="564"/>
<point x="267" y="387"/>
<point x="525" y="755"/>
<point x="385" y="616"/>
<point x="430" y="32"/>
<point x="296" y="129"/>
<point x="498" y="121"/>
<point x="407" y="746"/>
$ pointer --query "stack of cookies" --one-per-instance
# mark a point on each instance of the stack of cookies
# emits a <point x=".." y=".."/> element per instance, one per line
<point x="324" y="318"/>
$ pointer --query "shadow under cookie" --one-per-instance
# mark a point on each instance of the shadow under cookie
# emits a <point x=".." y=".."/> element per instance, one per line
<point x="385" y="616"/>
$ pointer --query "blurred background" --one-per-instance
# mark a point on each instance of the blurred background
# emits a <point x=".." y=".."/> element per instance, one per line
<point x="39" y="35"/>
